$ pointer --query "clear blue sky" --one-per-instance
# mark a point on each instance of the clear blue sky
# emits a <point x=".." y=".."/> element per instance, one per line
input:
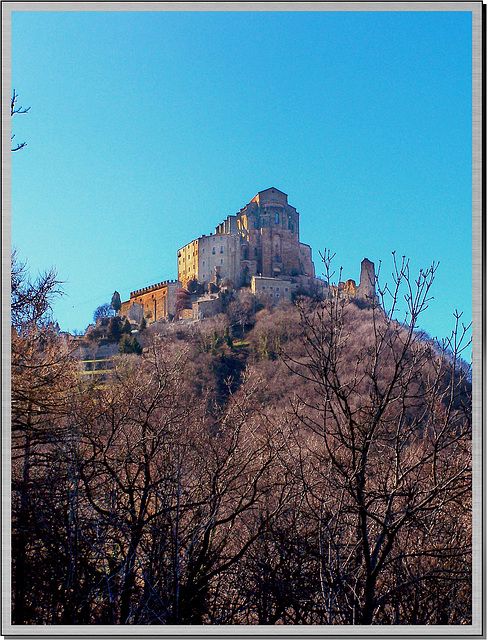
<point x="147" y="129"/>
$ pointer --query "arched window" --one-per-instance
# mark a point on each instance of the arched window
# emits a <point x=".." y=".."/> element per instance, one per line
<point x="277" y="248"/>
<point x="277" y="218"/>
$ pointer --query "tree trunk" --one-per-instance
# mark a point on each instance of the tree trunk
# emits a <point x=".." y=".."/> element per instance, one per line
<point x="129" y="580"/>
<point x="19" y="545"/>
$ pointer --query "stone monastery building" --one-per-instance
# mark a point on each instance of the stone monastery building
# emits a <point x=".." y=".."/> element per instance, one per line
<point x="262" y="239"/>
<point x="258" y="247"/>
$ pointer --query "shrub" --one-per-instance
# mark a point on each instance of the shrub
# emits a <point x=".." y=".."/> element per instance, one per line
<point x="130" y="344"/>
<point x="114" y="329"/>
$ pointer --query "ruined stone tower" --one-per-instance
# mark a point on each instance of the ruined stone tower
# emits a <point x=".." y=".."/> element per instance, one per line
<point x="366" y="288"/>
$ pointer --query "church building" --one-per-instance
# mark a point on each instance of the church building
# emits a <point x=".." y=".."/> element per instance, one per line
<point x="259" y="248"/>
<point x="261" y="240"/>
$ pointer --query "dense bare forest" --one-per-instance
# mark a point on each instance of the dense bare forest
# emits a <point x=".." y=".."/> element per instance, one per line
<point x="308" y="463"/>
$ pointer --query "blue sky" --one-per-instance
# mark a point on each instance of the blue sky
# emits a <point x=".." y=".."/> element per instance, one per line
<point x="147" y="129"/>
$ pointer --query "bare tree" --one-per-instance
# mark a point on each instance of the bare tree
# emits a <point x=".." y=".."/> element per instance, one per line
<point x="31" y="301"/>
<point x="176" y="495"/>
<point x="134" y="503"/>
<point x="242" y="308"/>
<point x="42" y="373"/>
<point x="386" y="465"/>
<point x="105" y="310"/>
<point x="17" y="109"/>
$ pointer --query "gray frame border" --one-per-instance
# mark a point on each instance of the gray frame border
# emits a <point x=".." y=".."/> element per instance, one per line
<point x="478" y="347"/>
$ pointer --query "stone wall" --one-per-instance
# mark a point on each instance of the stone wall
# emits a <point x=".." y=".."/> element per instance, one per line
<point x="188" y="262"/>
<point x="365" y="290"/>
<point x="157" y="302"/>
<point x="307" y="266"/>
<point x="201" y="259"/>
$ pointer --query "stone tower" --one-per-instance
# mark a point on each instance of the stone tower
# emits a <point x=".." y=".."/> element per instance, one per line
<point x="366" y="288"/>
<point x="270" y="233"/>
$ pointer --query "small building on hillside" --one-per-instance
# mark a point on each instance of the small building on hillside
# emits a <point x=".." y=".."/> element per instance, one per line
<point x="157" y="302"/>
<point x="276" y="289"/>
<point x="207" y="306"/>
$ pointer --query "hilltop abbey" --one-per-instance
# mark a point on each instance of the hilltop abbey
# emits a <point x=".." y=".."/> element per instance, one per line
<point x="259" y="248"/>
<point x="262" y="240"/>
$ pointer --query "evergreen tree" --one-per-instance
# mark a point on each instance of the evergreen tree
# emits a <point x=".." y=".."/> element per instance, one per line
<point x="228" y="338"/>
<point x="114" y="329"/>
<point x="142" y="325"/>
<point x="130" y="344"/>
<point x="215" y="342"/>
<point x="136" y="346"/>
<point x="127" y="327"/>
<point x="195" y="288"/>
<point x="116" y="303"/>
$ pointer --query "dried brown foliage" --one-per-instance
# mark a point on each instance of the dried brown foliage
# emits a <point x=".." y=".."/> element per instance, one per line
<point x="317" y="472"/>
<point x="388" y="459"/>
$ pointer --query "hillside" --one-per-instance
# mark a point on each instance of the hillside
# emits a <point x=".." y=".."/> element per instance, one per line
<point x="305" y="463"/>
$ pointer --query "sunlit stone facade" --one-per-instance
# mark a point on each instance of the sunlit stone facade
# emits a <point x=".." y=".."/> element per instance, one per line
<point x="262" y="240"/>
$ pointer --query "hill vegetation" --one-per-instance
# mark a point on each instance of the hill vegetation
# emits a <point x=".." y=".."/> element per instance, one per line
<point x="307" y="464"/>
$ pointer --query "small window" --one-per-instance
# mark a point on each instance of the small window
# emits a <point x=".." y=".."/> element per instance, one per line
<point x="277" y="218"/>
<point x="277" y="288"/>
<point x="203" y="263"/>
<point x="285" y="288"/>
<point x="221" y="261"/>
<point x="221" y="249"/>
<point x="263" y="288"/>
<point x="214" y="250"/>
